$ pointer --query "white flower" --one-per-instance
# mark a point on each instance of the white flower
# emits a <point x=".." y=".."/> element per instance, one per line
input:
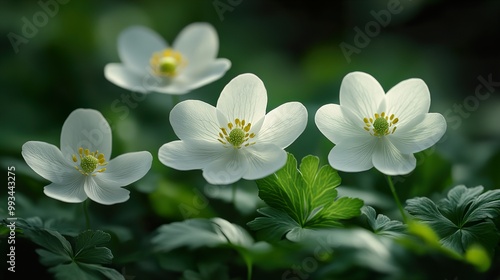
<point x="82" y="167"/>
<point x="373" y="129"/>
<point x="149" y="64"/>
<point x="236" y="139"/>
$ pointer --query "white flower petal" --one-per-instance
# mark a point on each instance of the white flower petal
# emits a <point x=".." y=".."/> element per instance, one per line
<point x="72" y="191"/>
<point x="263" y="160"/>
<point x="85" y="128"/>
<point x="227" y="169"/>
<point x="104" y="194"/>
<point x="188" y="81"/>
<point x="244" y="97"/>
<point x="407" y="100"/>
<point x="48" y="161"/>
<point x="198" y="43"/>
<point x="336" y="123"/>
<point x="283" y="125"/>
<point x="125" y="169"/>
<point x="197" y="77"/>
<point x="421" y="136"/>
<point x="136" y="45"/>
<point x="361" y="93"/>
<point x="195" y="120"/>
<point x="182" y="155"/>
<point x="353" y="156"/>
<point x="390" y="161"/>
<point x="174" y="86"/>
<point x="126" y="78"/>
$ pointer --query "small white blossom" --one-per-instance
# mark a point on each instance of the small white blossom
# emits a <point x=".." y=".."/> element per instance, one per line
<point x="82" y="168"/>
<point x="236" y="139"/>
<point x="150" y="65"/>
<point x="373" y="129"/>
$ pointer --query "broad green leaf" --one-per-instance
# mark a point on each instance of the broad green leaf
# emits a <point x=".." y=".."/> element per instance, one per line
<point x="88" y="247"/>
<point x="275" y="223"/>
<point x="304" y="198"/>
<point x="355" y="247"/>
<point x="381" y="224"/>
<point x="461" y="219"/>
<point x="196" y="233"/>
<point x="85" y="271"/>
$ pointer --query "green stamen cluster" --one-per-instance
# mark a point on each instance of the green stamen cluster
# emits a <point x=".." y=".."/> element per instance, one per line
<point x="380" y="126"/>
<point x="236" y="137"/>
<point x="89" y="163"/>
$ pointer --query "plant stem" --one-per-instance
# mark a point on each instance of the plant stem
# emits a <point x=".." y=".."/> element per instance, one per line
<point x="233" y="197"/>
<point x="248" y="262"/>
<point x="395" y="195"/>
<point x="86" y="213"/>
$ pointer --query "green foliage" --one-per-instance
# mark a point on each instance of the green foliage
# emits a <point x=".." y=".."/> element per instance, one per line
<point x="195" y="233"/>
<point x="302" y="199"/>
<point x="462" y="219"/>
<point x="81" y="257"/>
<point x="380" y="224"/>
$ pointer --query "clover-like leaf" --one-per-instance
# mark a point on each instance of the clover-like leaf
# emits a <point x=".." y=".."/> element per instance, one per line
<point x="82" y="260"/>
<point x="462" y="219"/>
<point x="301" y="199"/>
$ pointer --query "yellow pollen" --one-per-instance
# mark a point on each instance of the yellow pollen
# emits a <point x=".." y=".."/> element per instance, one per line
<point x="89" y="162"/>
<point x="236" y="134"/>
<point x="167" y="62"/>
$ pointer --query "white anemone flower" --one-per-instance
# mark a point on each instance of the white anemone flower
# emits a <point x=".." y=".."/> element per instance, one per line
<point x="150" y="65"/>
<point x="371" y="128"/>
<point x="236" y="139"/>
<point x="82" y="168"/>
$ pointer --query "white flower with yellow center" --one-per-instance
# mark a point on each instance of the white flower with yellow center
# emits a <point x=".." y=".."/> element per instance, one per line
<point x="82" y="168"/>
<point x="373" y="129"/>
<point x="150" y="65"/>
<point x="236" y="139"/>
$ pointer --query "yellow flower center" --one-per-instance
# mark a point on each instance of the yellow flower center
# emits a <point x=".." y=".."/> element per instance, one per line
<point x="381" y="124"/>
<point x="167" y="62"/>
<point x="89" y="162"/>
<point x="236" y="134"/>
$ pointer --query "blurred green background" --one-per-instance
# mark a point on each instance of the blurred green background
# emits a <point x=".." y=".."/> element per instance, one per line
<point x="294" y="47"/>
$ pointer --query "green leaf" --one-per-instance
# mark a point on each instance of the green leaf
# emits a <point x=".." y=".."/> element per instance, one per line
<point x="88" y="250"/>
<point x="81" y="261"/>
<point x="461" y="219"/>
<point x="381" y="224"/>
<point x="304" y="198"/>
<point x="275" y="223"/>
<point x="199" y="232"/>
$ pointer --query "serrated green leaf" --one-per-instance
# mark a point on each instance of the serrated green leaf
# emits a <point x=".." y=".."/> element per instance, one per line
<point x="381" y="224"/>
<point x="51" y="240"/>
<point x="196" y="233"/>
<point x="462" y="218"/>
<point x="275" y="223"/>
<point x="81" y="261"/>
<point x="87" y="250"/>
<point x="303" y="198"/>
